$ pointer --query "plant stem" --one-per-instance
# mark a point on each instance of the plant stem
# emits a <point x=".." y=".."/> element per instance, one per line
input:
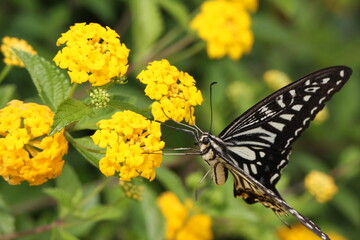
<point x="73" y="88"/>
<point x="4" y="72"/>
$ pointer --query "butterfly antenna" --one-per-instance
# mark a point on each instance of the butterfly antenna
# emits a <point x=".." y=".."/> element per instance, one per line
<point x="211" y="106"/>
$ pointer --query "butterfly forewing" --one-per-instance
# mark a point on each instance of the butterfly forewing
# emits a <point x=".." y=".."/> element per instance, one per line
<point x="260" y="140"/>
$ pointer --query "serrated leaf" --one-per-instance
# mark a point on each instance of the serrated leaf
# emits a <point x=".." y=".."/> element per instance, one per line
<point x="88" y="122"/>
<point x="6" y="94"/>
<point x="53" y="87"/>
<point x="83" y="145"/>
<point x="69" y="111"/>
<point x="177" y="9"/>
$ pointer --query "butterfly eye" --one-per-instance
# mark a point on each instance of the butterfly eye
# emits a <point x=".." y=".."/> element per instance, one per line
<point x="205" y="141"/>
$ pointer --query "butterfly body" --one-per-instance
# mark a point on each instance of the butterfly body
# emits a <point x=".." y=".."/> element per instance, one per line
<point x="255" y="147"/>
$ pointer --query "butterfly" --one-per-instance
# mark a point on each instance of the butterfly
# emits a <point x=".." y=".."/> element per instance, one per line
<point x="255" y="147"/>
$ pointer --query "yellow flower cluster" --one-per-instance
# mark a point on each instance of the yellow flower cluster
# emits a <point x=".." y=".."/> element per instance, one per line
<point x="276" y="79"/>
<point x="225" y="26"/>
<point x="174" y="91"/>
<point x="92" y="53"/>
<point x="300" y="232"/>
<point x="181" y="223"/>
<point x="321" y="185"/>
<point x="132" y="145"/>
<point x="132" y="190"/>
<point x="27" y="153"/>
<point x="8" y="44"/>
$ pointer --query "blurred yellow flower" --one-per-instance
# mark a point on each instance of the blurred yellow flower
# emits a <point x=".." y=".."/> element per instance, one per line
<point x="321" y="185"/>
<point x="92" y="53"/>
<point x="182" y="220"/>
<point x="174" y="91"/>
<point x="128" y="137"/>
<point x="300" y="232"/>
<point x="276" y="79"/>
<point x="225" y="27"/>
<point x="8" y="44"/>
<point x="27" y="153"/>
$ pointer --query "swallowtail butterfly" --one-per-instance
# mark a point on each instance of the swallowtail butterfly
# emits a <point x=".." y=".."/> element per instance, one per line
<point x="256" y="146"/>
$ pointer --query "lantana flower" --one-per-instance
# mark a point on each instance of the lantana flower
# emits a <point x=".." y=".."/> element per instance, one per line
<point x="27" y="152"/>
<point x="299" y="231"/>
<point x="10" y="43"/>
<point x="174" y="92"/>
<point x="133" y="146"/>
<point x="92" y="53"/>
<point x="225" y="27"/>
<point x="183" y="221"/>
<point x="321" y="185"/>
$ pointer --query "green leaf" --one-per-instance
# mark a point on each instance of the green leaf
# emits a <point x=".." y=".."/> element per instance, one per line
<point x="53" y="87"/>
<point x="100" y="213"/>
<point x="87" y="148"/>
<point x="348" y="203"/>
<point x="67" y="202"/>
<point x="177" y="9"/>
<point x="152" y="217"/>
<point x="171" y="182"/>
<point x="7" y="220"/>
<point x="89" y="122"/>
<point x="61" y="234"/>
<point x="147" y="23"/>
<point x="122" y="106"/>
<point x="68" y="180"/>
<point x="6" y="94"/>
<point x="69" y="111"/>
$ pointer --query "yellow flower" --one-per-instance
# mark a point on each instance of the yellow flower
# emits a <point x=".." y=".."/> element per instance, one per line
<point x="174" y="91"/>
<point x="132" y="146"/>
<point x="27" y="153"/>
<point x="225" y="26"/>
<point x="7" y="47"/>
<point x="182" y="220"/>
<point x="92" y="53"/>
<point x="321" y="185"/>
<point x="300" y="232"/>
<point x="276" y="79"/>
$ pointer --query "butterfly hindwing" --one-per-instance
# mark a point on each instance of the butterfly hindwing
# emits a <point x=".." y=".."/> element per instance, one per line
<point x="250" y="189"/>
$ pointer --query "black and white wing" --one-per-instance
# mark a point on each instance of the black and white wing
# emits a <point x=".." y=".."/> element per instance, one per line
<point x="259" y="141"/>
<point x="255" y="190"/>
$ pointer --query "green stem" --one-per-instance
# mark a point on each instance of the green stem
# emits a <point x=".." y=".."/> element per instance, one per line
<point x="179" y="45"/>
<point x="187" y="53"/>
<point x="73" y="88"/>
<point x="5" y="72"/>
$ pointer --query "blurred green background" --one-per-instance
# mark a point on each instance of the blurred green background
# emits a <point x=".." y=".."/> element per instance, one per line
<point x="295" y="37"/>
